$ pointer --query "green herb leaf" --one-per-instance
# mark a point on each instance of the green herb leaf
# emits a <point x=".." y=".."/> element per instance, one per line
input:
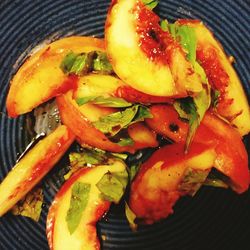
<point x="164" y="25"/>
<point x="215" y="183"/>
<point x="68" y="62"/>
<point x="192" y="180"/>
<point x="113" y="102"/>
<point x="151" y="4"/>
<point x="215" y="98"/>
<point x="31" y="205"/>
<point x="185" y="35"/>
<point x="133" y="170"/>
<point x="102" y="64"/>
<point x="218" y="179"/>
<point x="195" y="108"/>
<point x="85" y="158"/>
<point x="187" y="110"/>
<point x="125" y="142"/>
<point x="80" y="64"/>
<point x="120" y="156"/>
<point x="130" y="215"/>
<point x="115" y="122"/>
<point x="112" y="185"/>
<point x="78" y="202"/>
<point x="143" y="112"/>
<point x="83" y="100"/>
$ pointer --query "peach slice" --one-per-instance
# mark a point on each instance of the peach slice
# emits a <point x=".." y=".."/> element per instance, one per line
<point x="85" y="236"/>
<point x="40" y="77"/>
<point x="97" y="85"/>
<point x="155" y="190"/>
<point x="132" y="95"/>
<point x="233" y="104"/>
<point x="79" y="119"/>
<point x="33" y="167"/>
<point x="231" y="159"/>
<point x="143" y="55"/>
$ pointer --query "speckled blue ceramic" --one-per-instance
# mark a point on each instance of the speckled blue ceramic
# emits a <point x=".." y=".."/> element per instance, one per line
<point x="213" y="219"/>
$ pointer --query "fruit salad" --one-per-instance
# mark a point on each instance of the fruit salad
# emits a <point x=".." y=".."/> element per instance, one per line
<point x="166" y="90"/>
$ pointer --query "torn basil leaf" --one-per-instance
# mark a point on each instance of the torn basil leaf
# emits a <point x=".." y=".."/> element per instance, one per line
<point x="164" y="25"/>
<point x="113" y="102"/>
<point x="198" y="106"/>
<point x="215" y="183"/>
<point x="31" y="205"/>
<point x="217" y="179"/>
<point x="85" y="158"/>
<point x="78" y="202"/>
<point x="120" y="156"/>
<point x="80" y="64"/>
<point x="192" y="180"/>
<point x="133" y="170"/>
<point x="185" y="35"/>
<point x="112" y="185"/>
<point x="215" y="98"/>
<point x="130" y="215"/>
<point x="142" y="113"/>
<point x="187" y="110"/>
<point x="115" y="122"/>
<point x="83" y="100"/>
<point x="151" y="4"/>
<point x="101" y="63"/>
<point x="125" y="142"/>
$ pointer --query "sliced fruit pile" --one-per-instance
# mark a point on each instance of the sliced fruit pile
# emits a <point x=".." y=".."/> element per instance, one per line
<point x="147" y="80"/>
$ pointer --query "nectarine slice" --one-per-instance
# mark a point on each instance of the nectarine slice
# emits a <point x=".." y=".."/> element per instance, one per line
<point x="79" y="120"/>
<point x="85" y="236"/>
<point x="231" y="158"/>
<point x="155" y="189"/>
<point x="33" y="167"/>
<point x="40" y="77"/>
<point x="97" y="85"/>
<point x="143" y="55"/>
<point x="232" y="102"/>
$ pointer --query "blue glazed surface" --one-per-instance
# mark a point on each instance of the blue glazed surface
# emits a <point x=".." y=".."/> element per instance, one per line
<point x="213" y="219"/>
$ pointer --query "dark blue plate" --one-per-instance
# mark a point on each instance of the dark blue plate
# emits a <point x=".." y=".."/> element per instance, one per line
<point x="213" y="219"/>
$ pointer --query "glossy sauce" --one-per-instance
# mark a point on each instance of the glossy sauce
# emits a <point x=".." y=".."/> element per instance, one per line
<point x="154" y="42"/>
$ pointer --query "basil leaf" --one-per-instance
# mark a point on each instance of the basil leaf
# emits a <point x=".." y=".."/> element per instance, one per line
<point x="83" y="100"/>
<point x="102" y="64"/>
<point x="185" y="35"/>
<point x="215" y="183"/>
<point x="164" y="25"/>
<point x="120" y="156"/>
<point x="125" y="142"/>
<point x="31" y="205"/>
<point x="68" y="62"/>
<point x="115" y="122"/>
<point x="218" y="179"/>
<point x="112" y="185"/>
<point x="151" y="4"/>
<point x="113" y="102"/>
<point x="187" y="110"/>
<point x="215" y="95"/>
<point x="133" y="170"/>
<point x="78" y="202"/>
<point x="143" y="112"/>
<point x="192" y="180"/>
<point x="130" y="215"/>
<point x="80" y="64"/>
<point x="85" y="158"/>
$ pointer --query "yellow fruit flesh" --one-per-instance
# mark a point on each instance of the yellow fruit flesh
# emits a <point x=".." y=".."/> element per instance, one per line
<point x="23" y="177"/>
<point x="80" y="239"/>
